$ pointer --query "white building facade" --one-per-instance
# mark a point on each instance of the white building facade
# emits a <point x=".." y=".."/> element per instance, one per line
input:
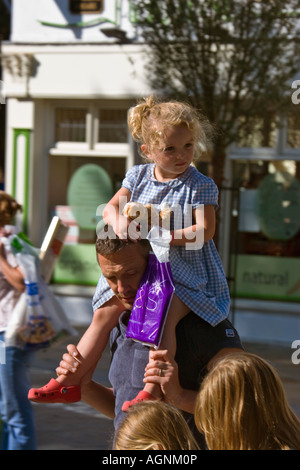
<point x="71" y="70"/>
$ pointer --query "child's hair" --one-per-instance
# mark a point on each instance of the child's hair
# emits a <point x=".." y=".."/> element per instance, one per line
<point x="148" y="120"/>
<point x="242" y="406"/>
<point x="8" y="208"/>
<point x="154" y="425"/>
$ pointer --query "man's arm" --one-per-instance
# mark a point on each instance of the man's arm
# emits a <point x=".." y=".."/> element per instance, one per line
<point x="94" y="394"/>
<point x="163" y="370"/>
<point x="99" y="397"/>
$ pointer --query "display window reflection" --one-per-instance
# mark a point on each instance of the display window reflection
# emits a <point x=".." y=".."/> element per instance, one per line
<point x="265" y="229"/>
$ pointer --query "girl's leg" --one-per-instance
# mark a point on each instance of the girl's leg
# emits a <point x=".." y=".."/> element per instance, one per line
<point x="90" y="347"/>
<point x="177" y="311"/>
<point x="94" y="340"/>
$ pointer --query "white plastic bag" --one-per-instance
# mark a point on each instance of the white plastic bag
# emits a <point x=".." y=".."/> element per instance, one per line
<point x="38" y="319"/>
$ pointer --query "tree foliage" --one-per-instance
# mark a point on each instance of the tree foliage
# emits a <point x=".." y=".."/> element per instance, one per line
<point x="234" y="59"/>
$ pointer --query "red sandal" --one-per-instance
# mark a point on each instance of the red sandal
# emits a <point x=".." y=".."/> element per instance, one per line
<point x="54" y="392"/>
<point x="141" y="396"/>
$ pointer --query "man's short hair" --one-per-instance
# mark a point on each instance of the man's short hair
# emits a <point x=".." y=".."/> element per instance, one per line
<point x="108" y="243"/>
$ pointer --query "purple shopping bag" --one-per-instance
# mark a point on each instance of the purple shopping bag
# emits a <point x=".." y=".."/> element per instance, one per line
<point x="153" y="298"/>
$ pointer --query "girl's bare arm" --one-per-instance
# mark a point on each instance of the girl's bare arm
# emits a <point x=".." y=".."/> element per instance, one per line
<point x="201" y="231"/>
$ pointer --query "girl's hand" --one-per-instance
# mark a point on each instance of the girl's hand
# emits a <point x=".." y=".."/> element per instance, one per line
<point x="127" y="229"/>
<point x="163" y="370"/>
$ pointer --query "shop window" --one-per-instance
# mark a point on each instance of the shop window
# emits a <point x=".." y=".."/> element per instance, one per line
<point x="265" y="229"/>
<point x="113" y="125"/>
<point x="293" y="131"/>
<point x="86" y="6"/>
<point x="86" y="167"/>
<point x="79" y="186"/>
<point x="257" y="133"/>
<point x="88" y="185"/>
<point x="70" y="125"/>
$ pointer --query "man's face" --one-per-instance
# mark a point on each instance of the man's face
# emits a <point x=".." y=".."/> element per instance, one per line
<point x="123" y="272"/>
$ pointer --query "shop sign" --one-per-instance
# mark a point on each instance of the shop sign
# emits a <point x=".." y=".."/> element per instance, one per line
<point x="267" y="277"/>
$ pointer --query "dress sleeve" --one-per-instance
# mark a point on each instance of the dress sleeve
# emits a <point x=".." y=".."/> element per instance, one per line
<point x="103" y="293"/>
<point x="131" y="178"/>
<point x="206" y="192"/>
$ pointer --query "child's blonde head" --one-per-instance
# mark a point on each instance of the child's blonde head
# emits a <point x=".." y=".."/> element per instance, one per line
<point x="242" y="406"/>
<point x="154" y="425"/>
<point x="148" y="120"/>
<point x="8" y="208"/>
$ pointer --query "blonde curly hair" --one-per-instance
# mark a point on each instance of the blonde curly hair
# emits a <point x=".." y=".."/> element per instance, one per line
<point x="148" y="120"/>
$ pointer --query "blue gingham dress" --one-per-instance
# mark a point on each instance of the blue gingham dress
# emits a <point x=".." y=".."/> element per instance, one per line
<point x="199" y="278"/>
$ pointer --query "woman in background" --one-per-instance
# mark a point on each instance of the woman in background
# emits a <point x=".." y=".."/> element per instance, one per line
<point x="18" y="428"/>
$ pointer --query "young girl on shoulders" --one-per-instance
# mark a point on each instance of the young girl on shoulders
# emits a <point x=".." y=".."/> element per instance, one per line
<point x="171" y="135"/>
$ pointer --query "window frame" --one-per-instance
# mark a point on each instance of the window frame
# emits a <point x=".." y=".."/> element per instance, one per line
<point x="92" y="144"/>
<point x="279" y="152"/>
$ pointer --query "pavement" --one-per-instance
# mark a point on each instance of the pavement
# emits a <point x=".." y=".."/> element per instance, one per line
<point x="79" y="427"/>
